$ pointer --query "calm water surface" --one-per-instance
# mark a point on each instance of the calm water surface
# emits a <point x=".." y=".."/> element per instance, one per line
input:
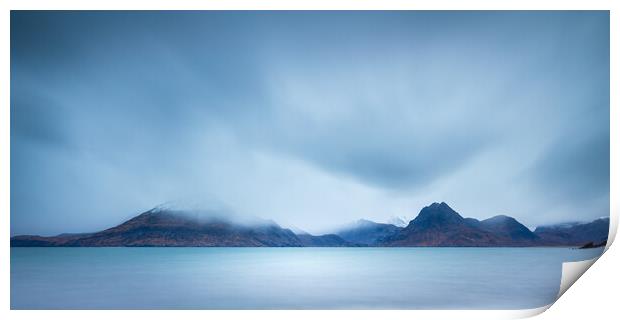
<point x="287" y="278"/>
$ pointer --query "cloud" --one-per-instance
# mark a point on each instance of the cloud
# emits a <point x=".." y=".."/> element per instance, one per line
<point x="38" y="120"/>
<point x="308" y="118"/>
<point x="575" y="167"/>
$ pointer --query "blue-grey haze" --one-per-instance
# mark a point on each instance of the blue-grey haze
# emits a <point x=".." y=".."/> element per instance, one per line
<point x="312" y="119"/>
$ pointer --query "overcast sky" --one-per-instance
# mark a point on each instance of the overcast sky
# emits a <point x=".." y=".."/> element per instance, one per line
<point x="312" y="119"/>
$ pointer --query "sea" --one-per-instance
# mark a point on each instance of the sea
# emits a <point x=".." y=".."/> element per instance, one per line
<point x="288" y="278"/>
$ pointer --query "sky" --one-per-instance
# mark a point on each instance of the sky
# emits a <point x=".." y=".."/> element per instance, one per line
<point x="311" y="119"/>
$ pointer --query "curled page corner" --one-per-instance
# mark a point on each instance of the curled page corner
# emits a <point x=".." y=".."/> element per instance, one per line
<point x="528" y="313"/>
<point x="613" y="229"/>
<point x="571" y="271"/>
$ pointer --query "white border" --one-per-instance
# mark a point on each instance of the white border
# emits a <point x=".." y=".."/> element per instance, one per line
<point x="7" y="5"/>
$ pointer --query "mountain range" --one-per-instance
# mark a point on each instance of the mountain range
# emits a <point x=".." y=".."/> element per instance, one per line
<point x="437" y="225"/>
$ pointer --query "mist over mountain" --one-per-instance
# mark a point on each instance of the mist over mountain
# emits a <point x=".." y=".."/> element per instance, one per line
<point x="367" y="232"/>
<point x="397" y="221"/>
<point x="577" y="233"/>
<point x="436" y="225"/>
<point x="162" y="227"/>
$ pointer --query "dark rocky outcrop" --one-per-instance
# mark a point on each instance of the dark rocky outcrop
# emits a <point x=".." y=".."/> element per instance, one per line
<point x="592" y="245"/>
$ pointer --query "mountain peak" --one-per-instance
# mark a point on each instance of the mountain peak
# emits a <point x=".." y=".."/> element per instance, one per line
<point x="437" y="214"/>
<point x="509" y="227"/>
<point x="438" y="205"/>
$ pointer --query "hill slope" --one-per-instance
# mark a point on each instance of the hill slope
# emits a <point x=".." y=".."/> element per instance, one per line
<point x="327" y="240"/>
<point x="439" y="225"/>
<point x="436" y="225"/>
<point x="574" y="234"/>
<point x="175" y="228"/>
